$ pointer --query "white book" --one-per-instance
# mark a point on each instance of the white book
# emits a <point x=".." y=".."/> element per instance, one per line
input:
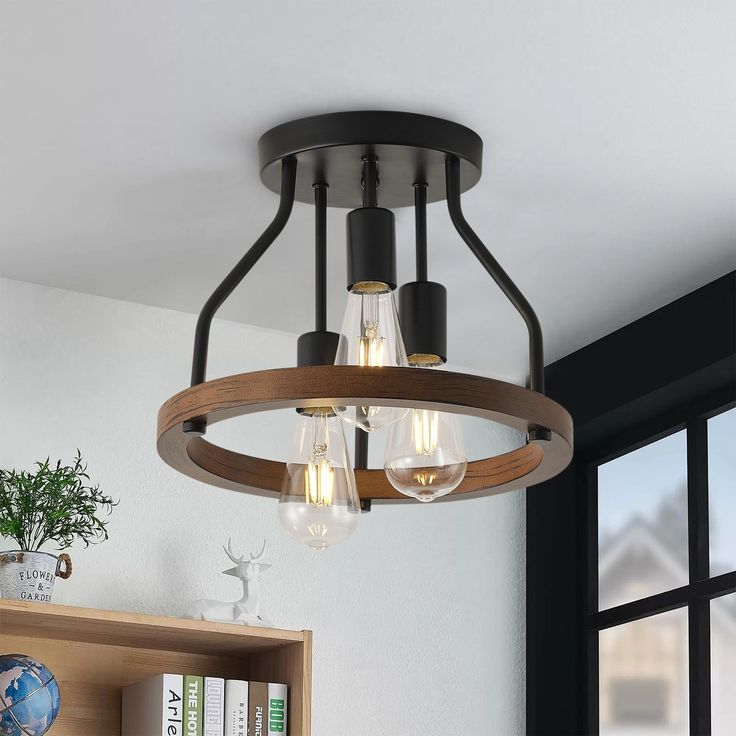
<point x="278" y="707"/>
<point x="214" y="707"/>
<point x="154" y="707"/>
<point x="236" y="708"/>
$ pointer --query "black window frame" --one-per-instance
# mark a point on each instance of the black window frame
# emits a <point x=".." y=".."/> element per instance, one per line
<point x="669" y="370"/>
<point x="700" y="589"/>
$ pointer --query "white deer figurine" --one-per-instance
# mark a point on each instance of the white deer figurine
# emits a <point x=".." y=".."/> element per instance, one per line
<point x="246" y="610"/>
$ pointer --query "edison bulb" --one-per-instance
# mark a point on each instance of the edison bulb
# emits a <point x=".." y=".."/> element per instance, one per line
<point x="424" y="456"/>
<point x="371" y="337"/>
<point x="319" y="504"/>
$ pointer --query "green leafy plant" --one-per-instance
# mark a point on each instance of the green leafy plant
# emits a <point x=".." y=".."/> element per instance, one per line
<point x="53" y="504"/>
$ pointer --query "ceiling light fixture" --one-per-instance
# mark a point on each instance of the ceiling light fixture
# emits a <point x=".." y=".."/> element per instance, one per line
<point x="374" y="373"/>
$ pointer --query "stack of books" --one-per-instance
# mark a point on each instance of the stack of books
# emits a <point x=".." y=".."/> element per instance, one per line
<point x="190" y="705"/>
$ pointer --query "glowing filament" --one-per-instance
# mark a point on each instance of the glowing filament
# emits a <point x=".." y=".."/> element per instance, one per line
<point x="319" y="481"/>
<point x="425" y="431"/>
<point x="372" y="346"/>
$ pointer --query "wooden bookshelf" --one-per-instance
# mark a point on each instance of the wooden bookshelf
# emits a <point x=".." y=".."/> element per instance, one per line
<point x="94" y="654"/>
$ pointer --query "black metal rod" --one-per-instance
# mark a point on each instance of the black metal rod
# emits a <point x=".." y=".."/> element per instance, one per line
<point x="238" y="273"/>
<point x="370" y="199"/>
<point x="536" y="345"/>
<point x="320" y="257"/>
<point x="420" y="225"/>
<point x="370" y="182"/>
<point x="361" y="449"/>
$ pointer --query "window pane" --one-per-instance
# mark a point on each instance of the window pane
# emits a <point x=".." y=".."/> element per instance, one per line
<point x="644" y="677"/>
<point x="722" y="487"/>
<point x="723" y="664"/>
<point x="642" y="522"/>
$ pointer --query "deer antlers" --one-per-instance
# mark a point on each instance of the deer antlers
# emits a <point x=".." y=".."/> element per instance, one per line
<point x="260" y="554"/>
<point x="237" y="560"/>
<point x="229" y="552"/>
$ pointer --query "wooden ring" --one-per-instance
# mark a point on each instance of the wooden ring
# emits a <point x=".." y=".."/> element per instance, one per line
<point x="281" y="388"/>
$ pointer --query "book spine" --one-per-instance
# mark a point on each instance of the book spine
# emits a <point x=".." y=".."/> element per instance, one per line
<point x="277" y="709"/>
<point x="172" y="705"/>
<point x="257" y="708"/>
<point x="236" y="708"/>
<point x="193" y="701"/>
<point x="214" y="706"/>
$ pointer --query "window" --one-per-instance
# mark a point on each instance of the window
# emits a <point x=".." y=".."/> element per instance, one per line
<point x="662" y="618"/>
<point x="723" y="664"/>
<point x="642" y="522"/>
<point x="722" y="486"/>
<point x="633" y="701"/>
<point x="643" y="675"/>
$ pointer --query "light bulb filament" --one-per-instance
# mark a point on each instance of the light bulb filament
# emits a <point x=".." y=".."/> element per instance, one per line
<point x="372" y="347"/>
<point x="319" y="479"/>
<point x="425" y="431"/>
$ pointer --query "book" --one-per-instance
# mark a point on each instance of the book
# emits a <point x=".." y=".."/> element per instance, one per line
<point x="154" y="707"/>
<point x="193" y="702"/>
<point x="257" y="708"/>
<point x="236" y="708"/>
<point x="277" y="709"/>
<point x="214" y="707"/>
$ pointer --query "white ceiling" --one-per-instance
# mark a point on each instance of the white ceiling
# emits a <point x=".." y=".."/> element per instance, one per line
<point x="128" y="166"/>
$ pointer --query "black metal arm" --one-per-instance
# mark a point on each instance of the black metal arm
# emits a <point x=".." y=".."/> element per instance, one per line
<point x="370" y="199"/>
<point x="238" y="273"/>
<point x="320" y="257"/>
<point x="370" y="181"/>
<point x="231" y="281"/>
<point x="536" y="346"/>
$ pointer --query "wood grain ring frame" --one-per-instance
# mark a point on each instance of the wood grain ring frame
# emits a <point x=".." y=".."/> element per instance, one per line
<point x="247" y="393"/>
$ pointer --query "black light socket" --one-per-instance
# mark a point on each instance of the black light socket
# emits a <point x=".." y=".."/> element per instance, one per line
<point x="316" y="348"/>
<point x="423" y="318"/>
<point x="371" y="235"/>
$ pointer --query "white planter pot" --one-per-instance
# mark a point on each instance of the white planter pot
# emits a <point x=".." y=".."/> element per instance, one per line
<point x="30" y="576"/>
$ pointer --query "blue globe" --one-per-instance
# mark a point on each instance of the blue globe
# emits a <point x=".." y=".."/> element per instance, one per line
<point x="29" y="696"/>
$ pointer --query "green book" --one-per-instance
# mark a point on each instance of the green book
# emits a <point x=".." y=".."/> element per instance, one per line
<point x="193" y="705"/>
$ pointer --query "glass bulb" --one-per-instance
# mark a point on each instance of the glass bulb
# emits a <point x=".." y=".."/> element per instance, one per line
<point x="319" y="504"/>
<point x="371" y="337"/>
<point x="424" y="456"/>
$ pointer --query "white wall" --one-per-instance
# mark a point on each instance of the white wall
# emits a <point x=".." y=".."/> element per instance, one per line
<point x="418" y="618"/>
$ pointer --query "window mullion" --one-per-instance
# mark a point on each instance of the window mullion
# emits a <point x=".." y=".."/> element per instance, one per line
<point x="699" y="566"/>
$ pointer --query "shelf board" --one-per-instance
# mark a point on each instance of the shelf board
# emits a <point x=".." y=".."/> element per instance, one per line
<point x="70" y="623"/>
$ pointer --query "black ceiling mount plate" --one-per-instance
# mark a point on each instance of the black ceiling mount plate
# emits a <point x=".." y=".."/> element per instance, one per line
<point x="410" y="148"/>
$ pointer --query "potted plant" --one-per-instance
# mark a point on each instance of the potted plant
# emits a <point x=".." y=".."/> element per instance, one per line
<point x="53" y="504"/>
